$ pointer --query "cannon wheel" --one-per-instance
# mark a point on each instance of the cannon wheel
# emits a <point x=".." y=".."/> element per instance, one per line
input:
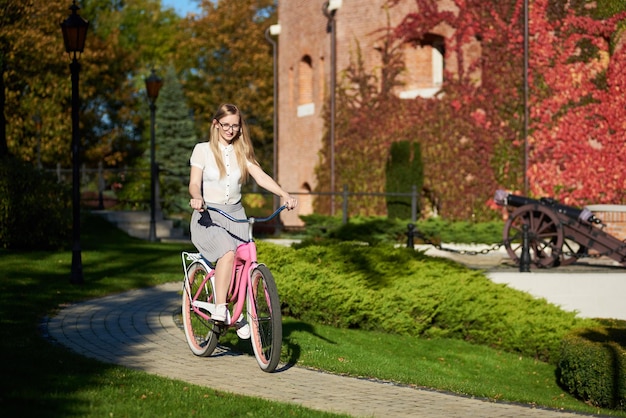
<point x="545" y="235"/>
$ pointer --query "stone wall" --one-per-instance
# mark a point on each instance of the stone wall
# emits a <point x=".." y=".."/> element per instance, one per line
<point x="614" y="217"/>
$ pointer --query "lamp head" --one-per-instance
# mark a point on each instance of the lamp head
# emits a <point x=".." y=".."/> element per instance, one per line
<point x="74" y="30"/>
<point x="153" y="85"/>
<point x="334" y="5"/>
<point x="275" y="30"/>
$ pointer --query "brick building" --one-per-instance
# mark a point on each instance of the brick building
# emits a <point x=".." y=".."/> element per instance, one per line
<point x="304" y="74"/>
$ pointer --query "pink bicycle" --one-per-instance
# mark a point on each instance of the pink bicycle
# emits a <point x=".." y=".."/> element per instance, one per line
<point x="252" y="295"/>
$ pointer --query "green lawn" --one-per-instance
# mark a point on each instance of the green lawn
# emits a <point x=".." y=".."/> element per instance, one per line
<point x="44" y="379"/>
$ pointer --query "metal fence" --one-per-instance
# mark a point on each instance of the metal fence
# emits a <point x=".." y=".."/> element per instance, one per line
<point x="346" y="194"/>
<point x="99" y="185"/>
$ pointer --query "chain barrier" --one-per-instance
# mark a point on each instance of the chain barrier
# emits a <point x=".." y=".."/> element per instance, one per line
<point x="412" y="233"/>
<point x="581" y="253"/>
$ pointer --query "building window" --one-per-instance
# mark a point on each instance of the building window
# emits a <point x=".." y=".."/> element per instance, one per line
<point x="424" y="62"/>
<point x="306" y="106"/>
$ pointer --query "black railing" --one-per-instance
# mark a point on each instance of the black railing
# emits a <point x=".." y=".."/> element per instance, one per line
<point x="96" y="181"/>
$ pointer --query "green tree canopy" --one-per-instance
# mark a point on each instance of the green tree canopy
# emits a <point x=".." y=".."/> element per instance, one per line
<point x="122" y="40"/>
<point x="228" y="59"/>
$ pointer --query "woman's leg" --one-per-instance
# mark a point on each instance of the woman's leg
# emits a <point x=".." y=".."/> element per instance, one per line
<point x="223" y="274"/>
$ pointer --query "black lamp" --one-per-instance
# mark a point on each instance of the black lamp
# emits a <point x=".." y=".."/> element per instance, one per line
<point x="74" y="34"/>
<point x="153" y="85"/>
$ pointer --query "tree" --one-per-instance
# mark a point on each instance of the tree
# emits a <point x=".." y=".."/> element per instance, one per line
<point x="404" y="171"/>
<point x="175" y="138"/>
<point x="125" y="40"/>
<point x="228" y="59"/>
<point x="36" y="88"/>
<point x="31" y="70"/>
<point x="367" y="121"/>
<point x="471" y="134"/>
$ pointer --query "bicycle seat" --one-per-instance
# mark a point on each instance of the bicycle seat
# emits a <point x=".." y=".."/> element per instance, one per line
<point x="198" y="257"/>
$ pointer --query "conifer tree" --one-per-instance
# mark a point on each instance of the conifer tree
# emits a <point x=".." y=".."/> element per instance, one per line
<point x="404" y="170"/>
<point x="174" y="139"/>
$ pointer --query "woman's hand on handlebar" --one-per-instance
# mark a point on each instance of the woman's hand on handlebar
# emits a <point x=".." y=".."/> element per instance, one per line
<point x="290" y="202"/>
<point x="197" y="204"/>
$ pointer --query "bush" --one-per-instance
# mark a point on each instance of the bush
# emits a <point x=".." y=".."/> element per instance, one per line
<point x="402" y="291"/>
<point x="404" y="170"/>
<point x="374" y="230"/>
<point x="462" y="232"/>
<point x="592" y="364"/>
<point x="35" y="210"/>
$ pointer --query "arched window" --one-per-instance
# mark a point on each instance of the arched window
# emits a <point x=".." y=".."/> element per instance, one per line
<point x="424" y="62"/>
<point x="305" y="87"/>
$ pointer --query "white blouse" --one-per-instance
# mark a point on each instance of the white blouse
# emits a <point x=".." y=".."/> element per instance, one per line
<point x="225" y="190"/>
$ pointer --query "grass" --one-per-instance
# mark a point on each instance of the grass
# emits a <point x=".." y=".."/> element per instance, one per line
<point x="42" y="378"/>
<point x="441" y="364"/>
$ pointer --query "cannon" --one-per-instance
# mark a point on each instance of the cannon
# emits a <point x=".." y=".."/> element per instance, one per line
<point x="558" y="234"/>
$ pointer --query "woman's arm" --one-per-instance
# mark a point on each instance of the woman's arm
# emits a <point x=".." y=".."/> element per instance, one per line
<point x="195" y="189"/>
<point x="268" y="183"/>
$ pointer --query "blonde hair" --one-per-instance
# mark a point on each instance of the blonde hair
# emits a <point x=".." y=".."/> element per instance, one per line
<point x="242" y="144"/>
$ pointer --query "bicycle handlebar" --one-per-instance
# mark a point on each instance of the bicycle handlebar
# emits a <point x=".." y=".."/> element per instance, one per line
<point x="250" y="220"/>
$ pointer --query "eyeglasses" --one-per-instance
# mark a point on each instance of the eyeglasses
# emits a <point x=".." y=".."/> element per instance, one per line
<point x="226" y="126"/>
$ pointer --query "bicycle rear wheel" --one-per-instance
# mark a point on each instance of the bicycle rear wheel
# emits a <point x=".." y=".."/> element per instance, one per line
<point x="202" y="335"/>
<point x="265" y="319"/>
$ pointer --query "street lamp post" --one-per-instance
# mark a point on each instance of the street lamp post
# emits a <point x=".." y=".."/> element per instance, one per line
<point x="330" y="9"/>
<point x="274" y="30"/>
<point x="74" y="30"/>
<point x="526" y="187"/>
<point x="153" y="85"/>
<point x="38" y="121"/>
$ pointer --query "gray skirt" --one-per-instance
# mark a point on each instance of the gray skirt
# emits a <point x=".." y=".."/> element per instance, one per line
<point x="222" y="235"/>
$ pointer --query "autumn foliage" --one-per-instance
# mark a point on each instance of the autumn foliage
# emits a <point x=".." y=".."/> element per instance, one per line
<point x="472" y="134"/>
<point x="578" y="109"/>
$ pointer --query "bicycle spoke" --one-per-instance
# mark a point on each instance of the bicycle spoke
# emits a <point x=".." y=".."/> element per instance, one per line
<point x="265" y="319"/>
<point x="201" y="334"/>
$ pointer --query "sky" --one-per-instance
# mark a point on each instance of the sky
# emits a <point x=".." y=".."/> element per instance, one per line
<point x="182" y="7"/>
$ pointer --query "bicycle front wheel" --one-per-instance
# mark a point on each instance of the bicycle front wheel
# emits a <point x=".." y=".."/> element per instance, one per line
<point x="201" y="334"/>
<point x="265" y="318"/>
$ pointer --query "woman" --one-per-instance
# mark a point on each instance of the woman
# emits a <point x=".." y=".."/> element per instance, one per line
<point x="218" y="169"/>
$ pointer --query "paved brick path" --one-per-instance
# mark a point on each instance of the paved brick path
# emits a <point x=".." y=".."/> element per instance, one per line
<point x="136" y="329"/>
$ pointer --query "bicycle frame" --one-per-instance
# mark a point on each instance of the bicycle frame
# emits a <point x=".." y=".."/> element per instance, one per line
<point x="252" y="287"/>
<point x="245" y="262"/>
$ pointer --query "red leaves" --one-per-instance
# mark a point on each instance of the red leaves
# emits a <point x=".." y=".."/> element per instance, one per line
<point x="577" y="104"/>
<point x="472" y="134"/>
<point x="578" y="130"/>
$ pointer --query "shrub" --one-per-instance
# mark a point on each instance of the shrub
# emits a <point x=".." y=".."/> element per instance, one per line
<point x="35" y="210"/>
<point x="404" y="169"/>
<point x="592" y="364"/>
<point x="402" y="291"/>
<point x="378" y="229"/>
<point x="319" y="226"/>
<point x="462" y="232"/>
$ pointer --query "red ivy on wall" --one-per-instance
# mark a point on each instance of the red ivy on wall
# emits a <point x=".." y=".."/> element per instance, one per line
<point x="578" y="141"/>
<point x="472" y="136"/>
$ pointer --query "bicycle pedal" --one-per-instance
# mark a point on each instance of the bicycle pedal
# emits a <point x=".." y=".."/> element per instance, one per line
<point x="218" y="328"/>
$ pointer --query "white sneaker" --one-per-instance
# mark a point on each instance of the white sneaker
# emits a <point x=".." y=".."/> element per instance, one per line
<point x="220" y="314"/>
<point x="243" y="328"/>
